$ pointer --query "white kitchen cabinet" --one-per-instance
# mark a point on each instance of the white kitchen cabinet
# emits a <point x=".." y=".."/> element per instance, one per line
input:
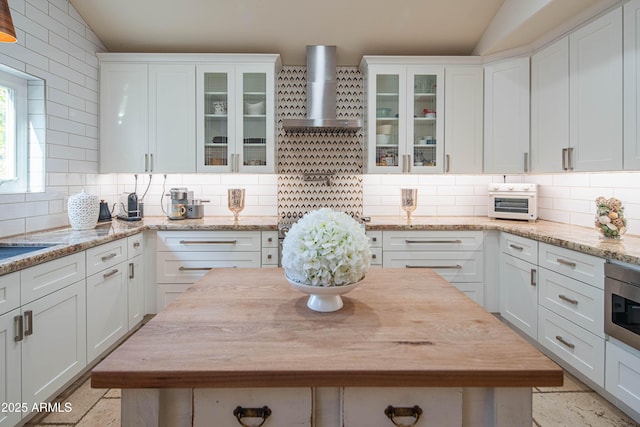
<point x="136" y="279"/>
<point x="287" y="407"/>
<point x="463" y="119"/>
<point x="10" y="367"/>
<point x="622" y="373"/>
<point x="506" y="116"/>
<point x="455" y="255"/>
<point x="9" y="292"/>
<point x="183" y="257"/>
<point x="54" y="343"/>
<point x="375" y="246"/>
<point x="147" y="112"/>
<point x="107" y="295"/>
<point x="367" y="406"/>
<point x="571" y="310"/>
<point x="269" y="249"/>
<point x="405" y="109"/>
<point x="236" y="112"/>
<point x="631" y="16"/>
<point x="519" y="293"/>
<point x="596" y="94"/>
<point x="550" y="108"/>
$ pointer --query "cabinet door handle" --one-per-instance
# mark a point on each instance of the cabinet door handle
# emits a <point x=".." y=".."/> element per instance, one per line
<point x="109" y="274"/>
<point x="447" y="159"/>
<point x="516" y="247"/>
<point x="181" y="268"/>
<point x="564" y="158"/>
<point x="131" y="271"/>
<point x="208" y="242"/>
<point x="392" y="412"/>
<point x="28" y="322"/>
<point x="441" y="267"/>
<point x="533" y="277"/>
<point x="151" y="162"/>
<point x="565" y="262"/>
<point x="565" y="342"/>
<point x="108" y="257"/>
<point x="18" y="336"/>
<point x="146" y="162"/>
<point x="241" y="413"/>
<point x="567" y="299"/>
<point x="570" y="158"/>
<point x="412" y="242"/>
<point x="409" y="163"/>
<point x="526" y="162"/>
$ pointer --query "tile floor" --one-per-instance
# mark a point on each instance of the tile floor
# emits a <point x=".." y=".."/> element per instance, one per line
<point x="572" y="405"/>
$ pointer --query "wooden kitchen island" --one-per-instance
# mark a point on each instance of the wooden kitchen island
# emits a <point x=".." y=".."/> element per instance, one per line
<point x="243" y="341"/>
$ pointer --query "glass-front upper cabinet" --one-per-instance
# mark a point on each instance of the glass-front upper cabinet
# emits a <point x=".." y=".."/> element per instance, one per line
<point x="404" y="132"/>
<point x="236" y="114"/>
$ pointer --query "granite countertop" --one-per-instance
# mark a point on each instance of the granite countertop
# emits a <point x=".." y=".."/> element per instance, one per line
<point x="68" y="241"/>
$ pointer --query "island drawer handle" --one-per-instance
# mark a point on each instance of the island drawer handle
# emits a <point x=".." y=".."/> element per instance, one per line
<point x="241" y="413"/>
<point x="565" y="342"/>
<point x="108" y="257"/>
<point x="393" y="412"/>
<point x="411" y="242"/>
<point x="194" y="268"/>
<point x="565" y="262"/>
<point x="516" y="247"/>
<point x="450" y="267"/>
<point x="567" y="299"/>
<point x="208" y="242"/>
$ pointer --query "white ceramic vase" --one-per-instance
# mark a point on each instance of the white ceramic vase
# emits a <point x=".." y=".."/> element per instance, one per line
<point x="83" y="210"/>
<point x="324" y="298"/>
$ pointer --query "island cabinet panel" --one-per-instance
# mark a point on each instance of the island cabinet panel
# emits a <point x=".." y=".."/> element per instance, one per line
<point x="291" y="407"/>
<point x="623" y="372"/>
<point x="366" y="406"/>
<point x="519" y="294"/>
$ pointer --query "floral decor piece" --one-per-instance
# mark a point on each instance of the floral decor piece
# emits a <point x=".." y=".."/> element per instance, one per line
<point x="610" y="219"/>
<point x="326" y="248"/>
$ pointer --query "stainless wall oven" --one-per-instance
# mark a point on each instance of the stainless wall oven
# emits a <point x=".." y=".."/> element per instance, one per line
<point x="622" y="303"/>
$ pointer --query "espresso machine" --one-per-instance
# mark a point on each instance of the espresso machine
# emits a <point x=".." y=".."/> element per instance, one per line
<point x="182" y="205"/>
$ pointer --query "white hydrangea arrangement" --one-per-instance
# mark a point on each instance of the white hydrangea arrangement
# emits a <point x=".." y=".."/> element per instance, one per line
<point x="610" y="219"/>
<point x="326" y="248"/>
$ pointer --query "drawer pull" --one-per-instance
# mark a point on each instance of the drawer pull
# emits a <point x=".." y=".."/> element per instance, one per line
<point x="567" y="299"/>
<point x="208" y="242"/>
<point x="136" y="245"/>
<point x="132" y="273"/>
<point x="565" y="342"/>
<point x="17" y="321"/>
<point x="374" y="239"/>
<point x="413" y="242"/>
<point x="194" y="268"/>
<point x="516" y="247"/>
<point x="565" y="262"/>
<point x="450" y="267"/>
<point x="108" y="257"/>
<point x="393" y="412"/>
<point x="109" y="274"/>
<point x="28" y="322"/>
<point x="269" y="256"/>
<point x="241" y="413"/>
<point x="373" y="256"/>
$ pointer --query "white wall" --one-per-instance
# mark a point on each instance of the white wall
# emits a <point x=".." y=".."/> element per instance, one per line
<point x="55" y="44"/>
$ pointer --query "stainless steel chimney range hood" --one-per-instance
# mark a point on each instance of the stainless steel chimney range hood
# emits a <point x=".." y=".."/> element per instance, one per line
<point x="321" y="96"/>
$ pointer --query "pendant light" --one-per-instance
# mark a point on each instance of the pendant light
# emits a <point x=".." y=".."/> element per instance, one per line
<point x="7" y="32"/>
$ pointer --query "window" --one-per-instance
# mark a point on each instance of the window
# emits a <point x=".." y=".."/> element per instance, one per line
<point x="21" y="133"/>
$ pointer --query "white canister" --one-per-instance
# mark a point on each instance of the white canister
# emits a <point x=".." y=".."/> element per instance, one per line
<point x="83" y="210"/>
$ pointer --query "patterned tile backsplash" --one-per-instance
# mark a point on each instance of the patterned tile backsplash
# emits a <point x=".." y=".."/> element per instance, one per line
<point x="333" y="158"/>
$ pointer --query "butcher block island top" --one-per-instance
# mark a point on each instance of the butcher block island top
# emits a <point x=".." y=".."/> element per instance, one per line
<point x="250" y="328"/>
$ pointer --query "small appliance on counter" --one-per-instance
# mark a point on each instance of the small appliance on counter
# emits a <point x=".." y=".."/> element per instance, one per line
<point x="130" y="208"/>
<point x="104" y="212"/>
<point x="182" y="205"/>
<point x="513" y="201"/>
